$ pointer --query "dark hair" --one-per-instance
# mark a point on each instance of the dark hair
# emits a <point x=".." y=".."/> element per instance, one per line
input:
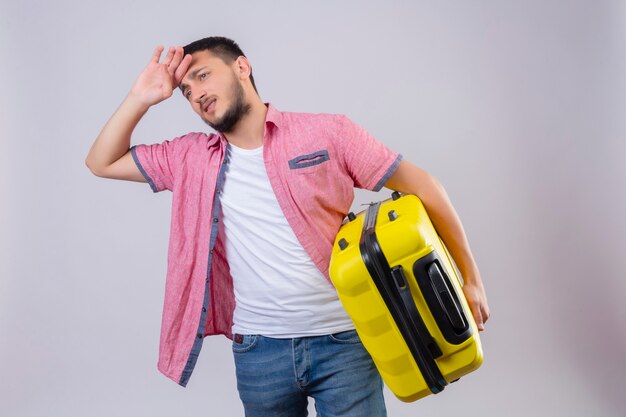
<point x="226" y="49"/>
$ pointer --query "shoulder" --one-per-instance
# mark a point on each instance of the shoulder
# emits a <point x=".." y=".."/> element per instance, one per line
<point x="196" y="141"/>
<point x="316" y="119"/>
<point x="195" y="138"/>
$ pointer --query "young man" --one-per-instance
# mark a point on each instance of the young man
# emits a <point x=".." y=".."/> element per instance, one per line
<point x="255" y="211"/>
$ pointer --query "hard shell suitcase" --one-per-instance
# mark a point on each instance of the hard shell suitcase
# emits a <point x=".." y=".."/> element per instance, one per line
<point x="396" y="280"/>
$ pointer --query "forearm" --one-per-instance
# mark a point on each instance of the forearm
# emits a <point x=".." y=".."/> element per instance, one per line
<point x="114" y="138"/>
<point x="413" y="180"/>
<point x="449" y="227"/>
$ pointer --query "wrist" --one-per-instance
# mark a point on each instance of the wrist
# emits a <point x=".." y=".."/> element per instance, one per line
<point x="134" y="102"/>
<point x="470" y="276"/>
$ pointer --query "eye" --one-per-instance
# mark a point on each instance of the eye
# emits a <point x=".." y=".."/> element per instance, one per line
<point x="203" y="75"/>
<point x="186" y="93"/>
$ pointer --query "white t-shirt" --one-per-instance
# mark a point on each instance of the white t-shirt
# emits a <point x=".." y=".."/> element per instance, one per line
<point x="279" y="292"/>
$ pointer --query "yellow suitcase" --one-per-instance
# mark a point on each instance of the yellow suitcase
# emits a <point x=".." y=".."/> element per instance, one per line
<point x="396" y="280"/>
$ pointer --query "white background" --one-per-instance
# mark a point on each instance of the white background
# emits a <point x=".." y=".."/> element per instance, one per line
<point x="516" y="107"/>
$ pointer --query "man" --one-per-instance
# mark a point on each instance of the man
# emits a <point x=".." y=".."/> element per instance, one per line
<point x="255" y="210"/>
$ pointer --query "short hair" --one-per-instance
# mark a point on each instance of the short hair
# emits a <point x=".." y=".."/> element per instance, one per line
<point x="224" y="48"/>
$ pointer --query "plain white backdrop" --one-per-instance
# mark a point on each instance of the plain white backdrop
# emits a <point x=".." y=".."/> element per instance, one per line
<point x="517" y="107"/>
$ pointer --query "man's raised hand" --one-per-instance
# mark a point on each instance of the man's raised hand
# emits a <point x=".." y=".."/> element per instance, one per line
<point x="158" y="80"/>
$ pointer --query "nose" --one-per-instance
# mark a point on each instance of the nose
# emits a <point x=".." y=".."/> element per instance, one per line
<point x="198" y="95"/>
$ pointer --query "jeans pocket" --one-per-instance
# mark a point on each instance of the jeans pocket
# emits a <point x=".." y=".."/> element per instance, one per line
<point x="247" y="343"/>
<point x="346" y="337"/>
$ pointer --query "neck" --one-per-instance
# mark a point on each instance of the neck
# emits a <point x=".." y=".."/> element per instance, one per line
<point x="249" y="131"/>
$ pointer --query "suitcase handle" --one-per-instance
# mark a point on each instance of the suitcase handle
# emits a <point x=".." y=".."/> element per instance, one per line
<point x="449" y="307"/>
<point x="442" y="298"/>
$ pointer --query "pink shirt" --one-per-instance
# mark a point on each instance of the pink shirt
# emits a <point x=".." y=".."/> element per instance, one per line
<point x="313" y="162"/>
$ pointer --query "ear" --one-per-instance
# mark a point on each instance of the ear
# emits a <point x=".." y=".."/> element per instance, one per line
<point x="242" y="67"/>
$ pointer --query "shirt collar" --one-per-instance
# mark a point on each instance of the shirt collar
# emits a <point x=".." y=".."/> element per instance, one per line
<point x="217" y="139"/>
<point x="273" y="116"/>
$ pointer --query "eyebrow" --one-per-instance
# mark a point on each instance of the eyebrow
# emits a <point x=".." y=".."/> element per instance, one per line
<point x="193" y="74"/>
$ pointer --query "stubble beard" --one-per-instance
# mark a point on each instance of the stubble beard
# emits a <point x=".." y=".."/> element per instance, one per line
<point x="234" y="113"/>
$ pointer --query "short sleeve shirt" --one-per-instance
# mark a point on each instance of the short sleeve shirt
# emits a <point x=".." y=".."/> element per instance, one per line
<point x="313" y="162"/>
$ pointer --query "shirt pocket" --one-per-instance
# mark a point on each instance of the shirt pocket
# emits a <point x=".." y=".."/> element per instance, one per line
<point x="310" y="163"/>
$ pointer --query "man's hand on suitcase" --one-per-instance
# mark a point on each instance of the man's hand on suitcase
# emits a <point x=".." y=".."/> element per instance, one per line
<point x="477" y="300"/>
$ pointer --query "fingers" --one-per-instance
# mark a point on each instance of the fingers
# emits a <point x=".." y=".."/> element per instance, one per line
<point x="477" y="307"/>
<point x="477" y="301"/>
<point x="479" y="322"/>
<point x="170" y="56"/>
<point x="181" y="70"/>
<point x="484" y="311"/>
<point x="177" y="65"/>
<point x="177" y="57"/>
<point x="482" y="315"/>
<point x="478" y="316"/>
<point x="156" y="55"/>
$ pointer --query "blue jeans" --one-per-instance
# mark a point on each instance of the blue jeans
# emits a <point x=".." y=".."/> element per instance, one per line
<point x="275" y="377"/>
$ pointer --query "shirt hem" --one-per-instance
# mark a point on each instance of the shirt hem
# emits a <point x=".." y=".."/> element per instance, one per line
<point x="133" y="152"/>
<point x="388" y="174"/>
<point x="298" y="334"/>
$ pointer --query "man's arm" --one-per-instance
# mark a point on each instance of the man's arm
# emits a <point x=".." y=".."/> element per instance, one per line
<point x="410" y="179"/>
<point x="110" y="156"/>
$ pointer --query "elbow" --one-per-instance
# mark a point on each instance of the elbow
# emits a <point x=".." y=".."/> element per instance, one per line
<point x="94" y="170"/>
<point x="88" y="165"/>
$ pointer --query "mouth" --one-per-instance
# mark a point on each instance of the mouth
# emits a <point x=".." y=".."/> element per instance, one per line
<point x="209" y="105"/>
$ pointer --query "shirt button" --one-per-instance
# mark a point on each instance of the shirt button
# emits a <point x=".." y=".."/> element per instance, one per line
<point x="203" y="309"/>
<point x="199" y="336"/>
<point x="211" y="251"/>
<point x="215" y="220"/>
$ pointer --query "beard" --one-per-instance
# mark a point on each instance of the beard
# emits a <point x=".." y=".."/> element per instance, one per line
<point x="234" y="113"/>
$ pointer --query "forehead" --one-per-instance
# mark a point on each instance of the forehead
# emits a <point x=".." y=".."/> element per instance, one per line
<point x="202" y="59"/>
